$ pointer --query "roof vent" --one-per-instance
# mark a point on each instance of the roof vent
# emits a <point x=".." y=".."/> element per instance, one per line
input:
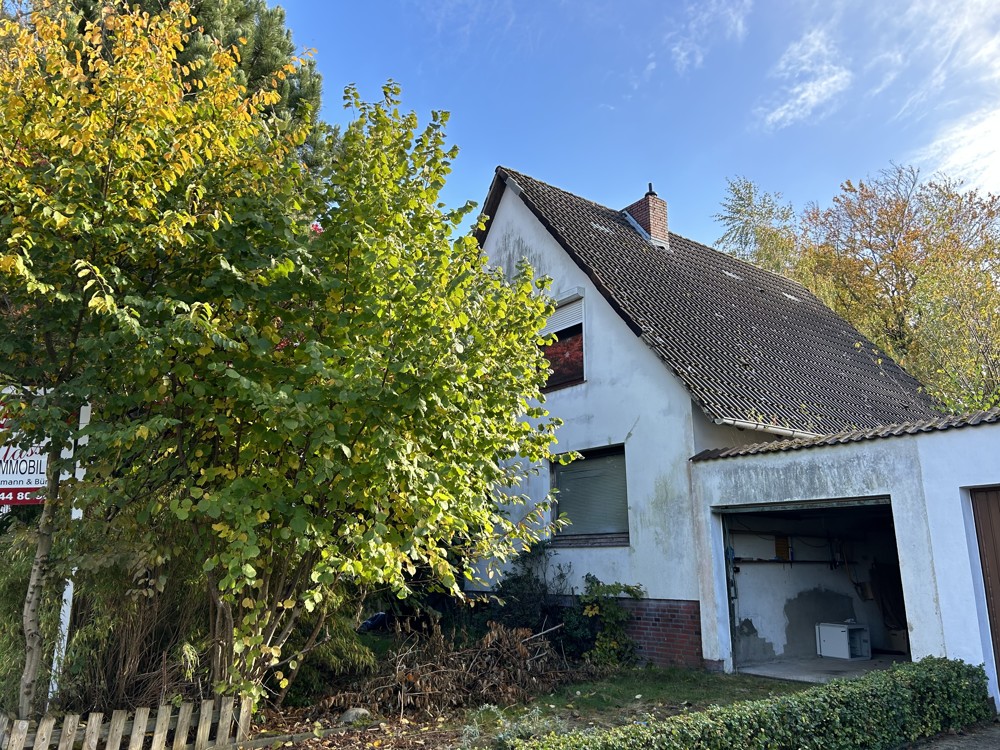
<point x="650" y="213"/>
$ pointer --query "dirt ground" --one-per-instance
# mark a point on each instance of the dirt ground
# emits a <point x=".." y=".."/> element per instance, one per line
<point x="393" y="735"/>
<point x="381" y="734"/>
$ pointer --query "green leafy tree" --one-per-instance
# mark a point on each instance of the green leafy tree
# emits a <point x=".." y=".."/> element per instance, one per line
<point x="114" y="181"/>
<point x="358" y="426"/>
<point x="313" y="410"/>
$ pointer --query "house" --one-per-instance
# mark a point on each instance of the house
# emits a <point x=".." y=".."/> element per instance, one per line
<point x="702" y="393"/>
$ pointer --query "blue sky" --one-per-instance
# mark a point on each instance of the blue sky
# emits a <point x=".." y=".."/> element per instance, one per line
<point x="599" y="97"/>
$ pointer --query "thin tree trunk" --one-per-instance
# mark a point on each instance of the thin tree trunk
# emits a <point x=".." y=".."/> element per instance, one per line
<point x="310" y="644"/>
<point x="34" y="646"/>
<point x="220" y="635"/>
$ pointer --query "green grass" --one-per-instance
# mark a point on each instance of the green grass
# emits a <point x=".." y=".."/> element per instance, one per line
<point x="668" y="690"/>
<point x="624" y="697"/>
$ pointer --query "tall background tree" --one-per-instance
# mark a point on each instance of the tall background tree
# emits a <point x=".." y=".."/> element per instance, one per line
<point x="911" y="263"/>
<point x="760" y="227"/>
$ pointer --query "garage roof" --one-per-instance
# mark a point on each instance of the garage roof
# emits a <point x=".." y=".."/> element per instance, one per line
<point x="937" y="424"/>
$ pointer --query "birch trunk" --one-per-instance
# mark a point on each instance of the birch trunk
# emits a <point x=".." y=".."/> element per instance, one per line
<point x="34" y="646"/>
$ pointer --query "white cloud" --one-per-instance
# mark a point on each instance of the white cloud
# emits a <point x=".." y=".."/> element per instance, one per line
<point x="701" y="26"/>
<point x="466" y="19"/>
<point x="687" y="54"/>
<point x="814" y="76"/>
<point x="887" y="65"/>
<point x="952" y="81"/>
<point x="968" y="148"/>
<point x="642" y="78"/>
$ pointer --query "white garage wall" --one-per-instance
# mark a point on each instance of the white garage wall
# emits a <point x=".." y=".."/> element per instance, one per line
<point x="926" y="476"/>
<point x="777" y="603"/>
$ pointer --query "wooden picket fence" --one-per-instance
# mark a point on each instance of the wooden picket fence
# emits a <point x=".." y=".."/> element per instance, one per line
<point x="169" y="729"/>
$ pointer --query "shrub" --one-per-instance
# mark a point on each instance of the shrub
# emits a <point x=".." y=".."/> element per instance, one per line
<point x="880" y="711"/>
<point x="530" y="594"/>
<point x="595" y="625"/>
<point x="429" y="673"/>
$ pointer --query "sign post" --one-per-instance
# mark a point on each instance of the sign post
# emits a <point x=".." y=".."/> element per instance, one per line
<point x="22" y="482"/>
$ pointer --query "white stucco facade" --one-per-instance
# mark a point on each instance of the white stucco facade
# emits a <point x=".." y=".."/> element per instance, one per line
<point x="629" y="398"/>
<point x="927" y="478"/>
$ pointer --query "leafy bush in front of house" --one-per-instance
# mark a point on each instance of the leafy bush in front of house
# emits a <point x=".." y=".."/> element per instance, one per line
<point x="881" y="711"/>
<point x="595" y="626"/>
<point x="536" y="594"/>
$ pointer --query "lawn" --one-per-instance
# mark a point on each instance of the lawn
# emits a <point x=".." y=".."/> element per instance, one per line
<point x="634" y="693"/>
<point x="628" y="696"/>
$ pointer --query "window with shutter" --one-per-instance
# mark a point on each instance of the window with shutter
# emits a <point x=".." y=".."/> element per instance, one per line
<point x="565" y="354"/>
<point x="591" y="494"/>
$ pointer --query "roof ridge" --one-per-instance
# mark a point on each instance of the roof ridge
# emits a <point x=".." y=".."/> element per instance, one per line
<point x="515" y="173"/>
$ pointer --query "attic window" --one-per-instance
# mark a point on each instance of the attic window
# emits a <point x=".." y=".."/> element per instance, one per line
<point x="565" y="354"/>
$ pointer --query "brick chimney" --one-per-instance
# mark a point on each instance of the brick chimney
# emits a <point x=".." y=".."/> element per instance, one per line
<point x="650" y="214"/>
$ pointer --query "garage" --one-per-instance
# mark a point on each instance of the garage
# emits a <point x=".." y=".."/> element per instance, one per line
<point x="822" y="530"/>
<point x="793" y="566"/>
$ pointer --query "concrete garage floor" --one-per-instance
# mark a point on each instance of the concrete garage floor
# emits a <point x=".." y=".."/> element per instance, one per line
<point x="820" y="669"/>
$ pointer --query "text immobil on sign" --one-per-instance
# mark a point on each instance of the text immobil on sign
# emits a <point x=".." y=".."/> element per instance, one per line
<point x="22" y="473"/>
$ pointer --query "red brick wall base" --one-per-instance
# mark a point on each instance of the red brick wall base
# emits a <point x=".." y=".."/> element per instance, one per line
<point x="667" y="631"/>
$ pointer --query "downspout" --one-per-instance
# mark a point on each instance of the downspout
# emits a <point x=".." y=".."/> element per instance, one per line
<point x="770" y="428"/>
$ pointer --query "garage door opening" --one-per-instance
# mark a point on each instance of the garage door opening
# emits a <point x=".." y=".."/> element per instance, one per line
<point x="814" y="588"/>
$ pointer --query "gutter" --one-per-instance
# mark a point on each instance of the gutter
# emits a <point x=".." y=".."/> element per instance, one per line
<point x="770" y="428"/>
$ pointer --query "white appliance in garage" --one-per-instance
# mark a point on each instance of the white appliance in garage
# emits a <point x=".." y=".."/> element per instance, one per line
<point x="843" y="640"/>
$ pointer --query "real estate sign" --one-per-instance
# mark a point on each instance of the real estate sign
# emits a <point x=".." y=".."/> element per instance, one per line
<point x="22" y="473"/>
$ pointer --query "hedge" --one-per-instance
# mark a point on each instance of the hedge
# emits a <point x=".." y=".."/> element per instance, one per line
<point x="881" y="711"/>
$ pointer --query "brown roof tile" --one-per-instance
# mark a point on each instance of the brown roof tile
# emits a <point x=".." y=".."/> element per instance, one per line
<point x="749" y="345"/>
<point x="854" y="436"/>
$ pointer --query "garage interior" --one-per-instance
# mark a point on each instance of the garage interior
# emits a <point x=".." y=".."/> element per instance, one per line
<point x="793" y="566"/>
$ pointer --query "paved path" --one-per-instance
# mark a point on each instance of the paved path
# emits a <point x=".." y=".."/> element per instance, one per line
<point x="987" y="738"/>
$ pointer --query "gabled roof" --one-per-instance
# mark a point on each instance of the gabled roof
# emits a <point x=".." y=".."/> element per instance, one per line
<point x="938" y="424"/>
<point x="750" y="346"/>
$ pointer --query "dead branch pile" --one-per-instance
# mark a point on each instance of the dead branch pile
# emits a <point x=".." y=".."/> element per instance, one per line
<point x="427" y="674"/>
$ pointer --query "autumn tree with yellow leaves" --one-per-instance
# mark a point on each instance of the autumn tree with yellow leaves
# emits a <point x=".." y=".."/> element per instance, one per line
<point x="913" y="264"/>
<point x="117" y="185"/>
